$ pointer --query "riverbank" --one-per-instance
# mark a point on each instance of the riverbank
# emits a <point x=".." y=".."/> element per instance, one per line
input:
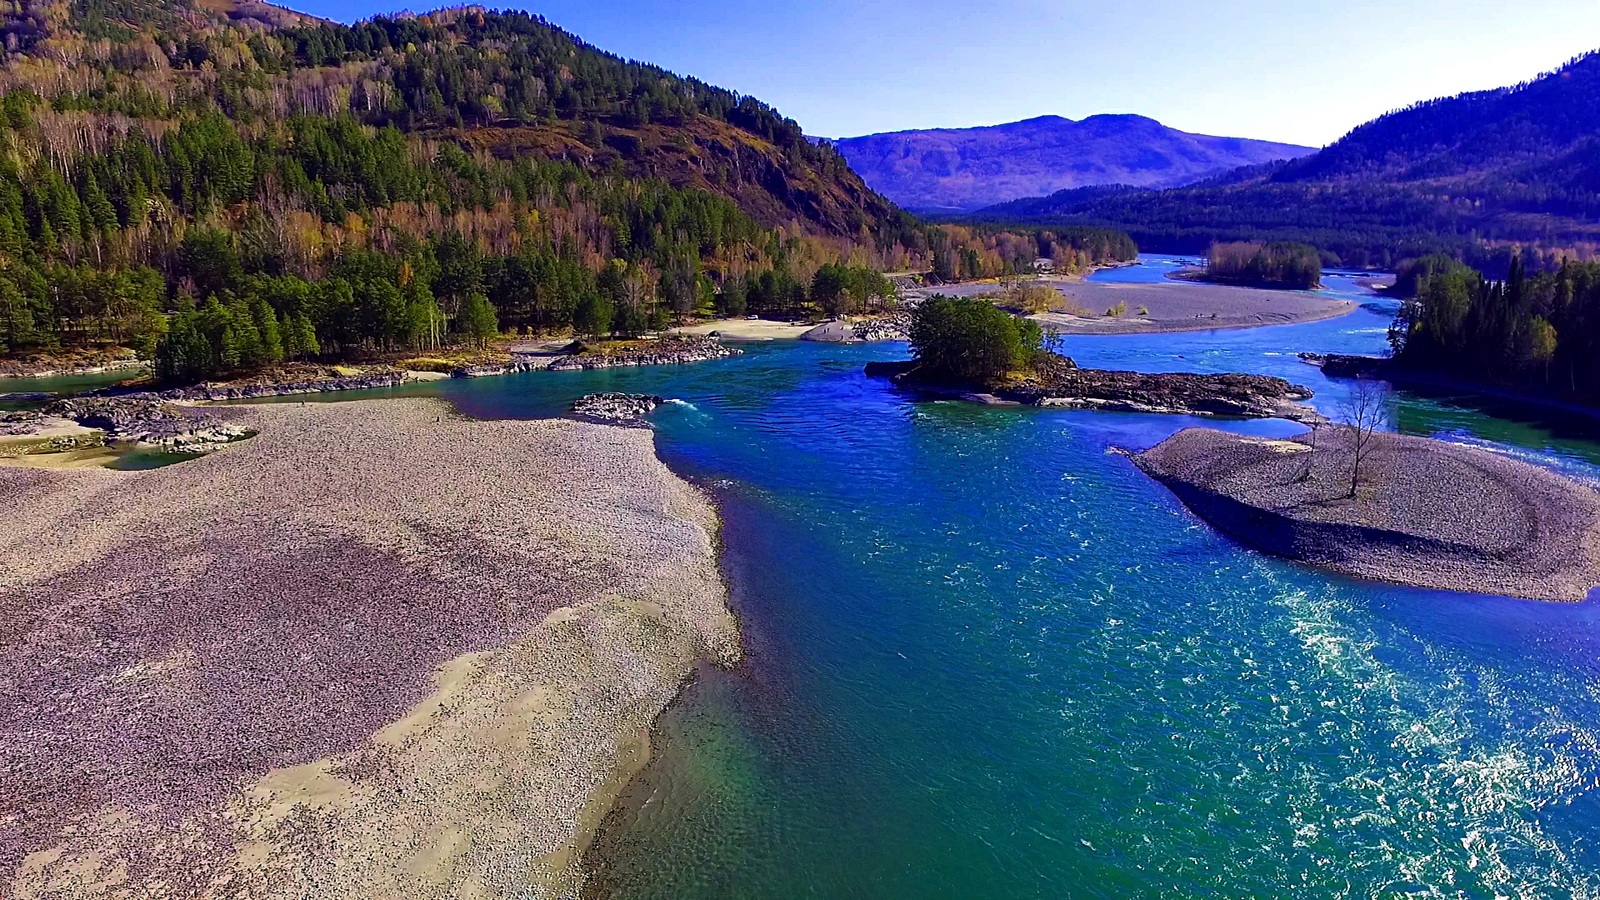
<point x="1425" y="514"/>
<point x="69" y="365"/>
<point x="1343" y="366"/>
<point x="222" y="718"/>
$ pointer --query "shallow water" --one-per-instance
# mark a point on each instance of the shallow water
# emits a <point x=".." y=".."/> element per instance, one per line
<point x="987" y="657"/>
<point x="62" y="385"/>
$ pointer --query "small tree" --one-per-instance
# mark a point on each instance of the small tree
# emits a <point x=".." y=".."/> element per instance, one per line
<point x="593" y="315"/>
<point x="477" y="320"/>
<point x="970" y="339"/>
<point x="1361" y="412"/>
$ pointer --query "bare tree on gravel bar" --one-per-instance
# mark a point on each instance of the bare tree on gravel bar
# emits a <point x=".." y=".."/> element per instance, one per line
<point x="1361" y="412"/>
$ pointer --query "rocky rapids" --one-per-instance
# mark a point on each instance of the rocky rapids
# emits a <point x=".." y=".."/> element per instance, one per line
<point x="615" y="408"/>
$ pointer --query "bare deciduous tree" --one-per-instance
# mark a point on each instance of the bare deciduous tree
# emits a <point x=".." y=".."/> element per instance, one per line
<point x="1361" y="412"/>
<point x="1311" y="454"/>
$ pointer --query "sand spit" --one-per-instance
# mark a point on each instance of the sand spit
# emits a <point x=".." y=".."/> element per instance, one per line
<point x="746" y="329"/>
<point x="1173" y="306"/>
<point x="377" y="651"/>
<point x="1427" y="513"/>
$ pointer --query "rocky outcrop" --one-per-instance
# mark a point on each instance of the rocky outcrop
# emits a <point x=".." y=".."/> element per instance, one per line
<point x="665" y="351"/>
<point x="149" y="421"/>
<point x="895" y="326"/>
<point x="263" y="387"/>
<point x="613" y="407"/>
<point x="1341" y="365"/>
<point x="266" y="388"/>
<point x="1059" y="383"/>
<point x="1183" y="393"/>
<point x="20" y="423"/>
<point x="1425" y="513"/>
<point x="513" y="366"/>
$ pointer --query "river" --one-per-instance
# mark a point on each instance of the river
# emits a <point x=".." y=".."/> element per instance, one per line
<point x="987" y="657"/>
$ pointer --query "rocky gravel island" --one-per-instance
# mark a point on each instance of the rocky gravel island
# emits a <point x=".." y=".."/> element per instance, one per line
<point x="1059" y="383"/>
<point x="1426" y="513"/>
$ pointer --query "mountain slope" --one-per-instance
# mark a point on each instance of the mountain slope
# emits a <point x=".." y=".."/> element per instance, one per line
<point x="969" y="168"/>
<point x="1466" y="174"/>
<point x="458" y="75"/>
<point x="235" y="185"/>
<point x="232" y="186"/>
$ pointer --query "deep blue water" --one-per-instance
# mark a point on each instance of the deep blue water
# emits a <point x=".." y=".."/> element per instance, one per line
<point x="988" y="658"/>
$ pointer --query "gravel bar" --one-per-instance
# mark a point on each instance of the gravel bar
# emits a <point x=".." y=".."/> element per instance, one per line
<point x="1427" y="513"/>
<point x="379" y="650"/>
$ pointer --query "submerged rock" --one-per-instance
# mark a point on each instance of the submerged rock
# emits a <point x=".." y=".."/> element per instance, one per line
<point x="1426" y="513"/>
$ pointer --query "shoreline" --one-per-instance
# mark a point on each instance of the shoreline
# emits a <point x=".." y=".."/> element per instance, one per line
<point x="7" y="373"/>
<point x="512" y="673"/>
<point x="1452" y="387"/>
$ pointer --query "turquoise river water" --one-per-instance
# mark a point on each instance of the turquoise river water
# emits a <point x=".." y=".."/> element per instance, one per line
<point x="989" y="658"/>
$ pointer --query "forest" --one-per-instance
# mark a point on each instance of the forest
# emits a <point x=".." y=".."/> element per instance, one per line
<point x="231" y="192"/>
<point x="1276" y="265"/>
<point x="1539" y="332"/>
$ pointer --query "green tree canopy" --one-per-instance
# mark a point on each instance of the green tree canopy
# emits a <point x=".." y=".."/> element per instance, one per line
<point x="971" y="340"/>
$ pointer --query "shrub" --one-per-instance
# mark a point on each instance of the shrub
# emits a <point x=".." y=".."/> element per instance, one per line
<point x="1034" y="298"/>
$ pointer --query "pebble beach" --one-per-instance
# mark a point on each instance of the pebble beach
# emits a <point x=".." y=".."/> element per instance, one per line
<point x="377" y="650"/>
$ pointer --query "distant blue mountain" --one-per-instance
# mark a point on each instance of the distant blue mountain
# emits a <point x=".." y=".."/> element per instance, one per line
<point x="958" y="169"/>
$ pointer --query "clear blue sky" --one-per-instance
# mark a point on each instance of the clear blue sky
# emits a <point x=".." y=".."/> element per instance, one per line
<point x="1293" y="70"/>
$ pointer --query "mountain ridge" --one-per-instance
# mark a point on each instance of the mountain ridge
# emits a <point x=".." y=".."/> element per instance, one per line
<point x="964" y="169"/>
<point x="1474" y="174"/>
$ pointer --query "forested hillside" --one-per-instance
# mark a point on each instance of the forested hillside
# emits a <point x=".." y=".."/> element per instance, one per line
<point x="1470" y="174"/>
<point x="276" y="187"/>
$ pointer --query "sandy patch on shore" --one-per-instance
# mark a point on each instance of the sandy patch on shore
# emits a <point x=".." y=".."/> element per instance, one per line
<point x="88" y="457"/>
<point x="377" y="651"/>
<point x="746" y="329"/>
